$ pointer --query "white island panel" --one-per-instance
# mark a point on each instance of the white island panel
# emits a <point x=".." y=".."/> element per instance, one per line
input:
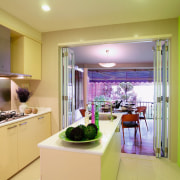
<point x="96" y="160"/>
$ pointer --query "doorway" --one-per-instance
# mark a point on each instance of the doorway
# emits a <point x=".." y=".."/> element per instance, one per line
<point x="75" y="55"/>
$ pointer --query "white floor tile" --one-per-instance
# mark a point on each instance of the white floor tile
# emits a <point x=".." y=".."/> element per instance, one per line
<point x="132" y="167"/>
<point x="31" y="172"/>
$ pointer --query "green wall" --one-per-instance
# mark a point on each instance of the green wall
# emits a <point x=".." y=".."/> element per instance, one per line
<point x="179" y="91"/>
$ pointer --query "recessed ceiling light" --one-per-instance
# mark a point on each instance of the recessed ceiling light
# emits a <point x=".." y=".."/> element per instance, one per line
<point x="46" y="7"/>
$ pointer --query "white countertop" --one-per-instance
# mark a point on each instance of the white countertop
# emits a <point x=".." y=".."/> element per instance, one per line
<point x="107" y="127"/>
<point x="41" y="111"/>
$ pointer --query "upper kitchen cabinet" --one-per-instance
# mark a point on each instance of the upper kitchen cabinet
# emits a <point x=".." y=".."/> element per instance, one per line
<point x="26" y="56"/>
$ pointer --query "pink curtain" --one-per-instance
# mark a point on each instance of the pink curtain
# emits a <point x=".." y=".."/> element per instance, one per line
<point x="108" y="89"/>
<point x="100" y="88"/>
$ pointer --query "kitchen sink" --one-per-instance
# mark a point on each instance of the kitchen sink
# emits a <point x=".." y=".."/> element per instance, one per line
<point x="105" y="117"/>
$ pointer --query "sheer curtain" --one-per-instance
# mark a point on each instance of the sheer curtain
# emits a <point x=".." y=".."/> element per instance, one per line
<point x="143" y="90"/>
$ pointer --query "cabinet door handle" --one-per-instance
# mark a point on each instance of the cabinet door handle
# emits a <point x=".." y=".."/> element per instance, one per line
<point x="41" y="117"/>
<point x="12" y="127"/>
<point x="22" y="123"/>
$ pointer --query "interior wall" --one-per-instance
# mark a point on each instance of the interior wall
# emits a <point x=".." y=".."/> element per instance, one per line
<point x="48" y="87"/>
<point x="34" y="99"/>
<point x="179" y="92"/>
<point x="18" y="26"/>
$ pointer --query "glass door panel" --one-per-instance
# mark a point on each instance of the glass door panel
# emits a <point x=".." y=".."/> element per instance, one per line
<point x="157" y="99"/>
<point x="165" y="99"/>
<point x="160" y="139"/>
<point x="68" y="99"/>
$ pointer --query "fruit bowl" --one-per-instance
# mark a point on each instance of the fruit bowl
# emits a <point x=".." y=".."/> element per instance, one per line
<point x="63" y="137"/>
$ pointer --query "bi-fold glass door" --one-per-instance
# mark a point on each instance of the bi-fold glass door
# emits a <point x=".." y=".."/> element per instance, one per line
<point x="161" y="98"/>
<point x="67" y="87"/>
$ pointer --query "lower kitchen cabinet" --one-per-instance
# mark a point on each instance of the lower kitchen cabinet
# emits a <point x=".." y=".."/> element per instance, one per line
<point x="19" y="143"/>
<point x="8" y="151"/>
<point x="43" y="126"/>
<point x="27" y="145"/>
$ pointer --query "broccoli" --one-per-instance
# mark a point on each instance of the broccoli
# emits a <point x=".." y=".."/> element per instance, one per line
<point x="81" y="132"/>
<point x="91" y="124"/>
<point x="68" y="132"/>
<point x="83" y="127"/>
<point x="77" y="134"/>
<point x="90" y="132"/>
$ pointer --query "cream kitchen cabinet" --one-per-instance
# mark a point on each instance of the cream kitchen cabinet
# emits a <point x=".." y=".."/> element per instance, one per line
<point x="30" y="133"/>
<point x="27" y="145"/>
<point x="26" y="57"/>
<point x="19" y="143"/>
<point x="8" y="151"/>
<point x="43" y="126"/>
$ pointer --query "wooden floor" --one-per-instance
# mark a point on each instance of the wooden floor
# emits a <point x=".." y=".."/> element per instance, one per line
<point x="133" y="146"/>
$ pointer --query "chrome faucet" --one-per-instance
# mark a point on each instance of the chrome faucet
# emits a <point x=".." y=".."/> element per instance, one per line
<point x="110" y="108"/>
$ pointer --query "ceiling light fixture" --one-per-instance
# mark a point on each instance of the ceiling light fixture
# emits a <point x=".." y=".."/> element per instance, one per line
<point x="46" y="7"/>
<point x="107" y="65"/>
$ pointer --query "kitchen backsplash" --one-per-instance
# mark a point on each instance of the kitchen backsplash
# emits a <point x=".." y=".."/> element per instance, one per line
<point x="8" y="95"/>
<point x="5" y="94"/>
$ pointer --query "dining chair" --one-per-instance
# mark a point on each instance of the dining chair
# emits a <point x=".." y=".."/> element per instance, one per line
<point x="141" y="110"/>
<point x="131" y="121"/>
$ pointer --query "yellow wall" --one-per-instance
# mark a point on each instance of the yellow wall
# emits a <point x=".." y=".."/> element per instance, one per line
<point x="48" y="87"/>
<point x="18" y="26"/>
<point x="179" y="92"/>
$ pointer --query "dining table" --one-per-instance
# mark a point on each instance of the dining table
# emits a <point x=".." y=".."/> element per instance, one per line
<point x="128" y="110"/>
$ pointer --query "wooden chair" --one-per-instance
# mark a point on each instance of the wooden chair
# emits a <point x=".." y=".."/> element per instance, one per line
<point x="141" y="110"/>
<point x="131" y="121"/>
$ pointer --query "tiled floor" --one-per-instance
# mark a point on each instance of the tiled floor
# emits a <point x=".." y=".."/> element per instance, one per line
<point x="141" y="167"/>
<point x="31" y="172"/>
<point x="132" y="167"/>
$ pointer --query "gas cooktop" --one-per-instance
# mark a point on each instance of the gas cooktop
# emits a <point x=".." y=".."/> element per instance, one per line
<point x="6" y="116"/>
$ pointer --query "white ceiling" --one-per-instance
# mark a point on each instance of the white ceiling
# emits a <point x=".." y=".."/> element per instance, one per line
<point x="139" y="52"/>
<point x="69" y="14"/>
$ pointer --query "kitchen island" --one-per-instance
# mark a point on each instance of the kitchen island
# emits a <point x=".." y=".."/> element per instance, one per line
<point x="97" y="160"/>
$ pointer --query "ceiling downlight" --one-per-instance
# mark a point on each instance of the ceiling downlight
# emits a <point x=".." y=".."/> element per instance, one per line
<point x="45" y="7"/>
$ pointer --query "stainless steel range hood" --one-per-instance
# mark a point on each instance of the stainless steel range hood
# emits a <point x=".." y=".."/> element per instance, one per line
<point x="5" y="55"/>
<point x="9" y="74"/>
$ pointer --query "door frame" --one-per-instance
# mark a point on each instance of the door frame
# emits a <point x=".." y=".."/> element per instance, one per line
<point x="114" y="41"/>
<point x="161" y="97"/>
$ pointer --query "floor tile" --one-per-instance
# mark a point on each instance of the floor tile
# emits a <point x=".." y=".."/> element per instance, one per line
<point x="31" y="172"/>
<point x="132" y="167"/>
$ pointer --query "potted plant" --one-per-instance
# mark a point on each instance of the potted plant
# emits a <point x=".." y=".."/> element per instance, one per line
<point x="23" y="96"/>
<point x="126" y="86"/>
